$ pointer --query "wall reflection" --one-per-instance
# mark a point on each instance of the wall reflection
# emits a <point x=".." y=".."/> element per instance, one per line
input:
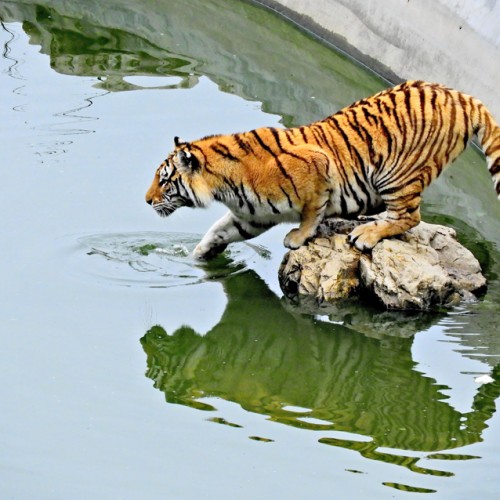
<point x="236" y="44"/>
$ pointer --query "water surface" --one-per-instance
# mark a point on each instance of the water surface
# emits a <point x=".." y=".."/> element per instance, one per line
<point x="120" y="352"/>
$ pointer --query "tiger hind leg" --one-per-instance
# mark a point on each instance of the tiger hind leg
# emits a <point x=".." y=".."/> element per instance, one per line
<point x="397" y="220"/>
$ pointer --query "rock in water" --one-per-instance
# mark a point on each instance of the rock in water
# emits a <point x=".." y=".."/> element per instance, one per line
<point x="424" y="268"/>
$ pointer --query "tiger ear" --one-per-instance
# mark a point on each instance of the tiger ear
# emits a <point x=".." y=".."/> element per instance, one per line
<point x="187" y="163"/>
<point x="177" y="141"/>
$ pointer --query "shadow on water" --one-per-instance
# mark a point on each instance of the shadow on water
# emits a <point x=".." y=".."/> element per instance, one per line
<point x="319" y="376"/>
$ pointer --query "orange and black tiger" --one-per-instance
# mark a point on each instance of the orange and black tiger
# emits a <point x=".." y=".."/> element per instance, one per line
<point x="377" y="155"/>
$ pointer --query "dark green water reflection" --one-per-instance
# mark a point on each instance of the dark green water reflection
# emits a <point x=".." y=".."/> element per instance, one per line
<point x="317" y="376"/>
<point x="236" y="44"/>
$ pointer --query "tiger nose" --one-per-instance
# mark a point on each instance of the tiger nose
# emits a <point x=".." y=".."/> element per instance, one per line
<point x="149" y="201"/>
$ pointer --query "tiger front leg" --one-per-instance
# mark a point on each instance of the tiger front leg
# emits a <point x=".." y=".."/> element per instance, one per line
<point x="310" y="218"/>
<point x="228" y="229"/>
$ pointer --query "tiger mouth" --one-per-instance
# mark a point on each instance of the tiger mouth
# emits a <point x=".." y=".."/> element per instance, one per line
<point x="163" y="209"/>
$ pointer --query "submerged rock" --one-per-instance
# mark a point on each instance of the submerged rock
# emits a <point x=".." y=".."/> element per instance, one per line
<point x="425" y="268"/>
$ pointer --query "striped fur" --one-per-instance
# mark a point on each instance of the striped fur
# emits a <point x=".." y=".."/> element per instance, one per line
<point x="378" y="154"/>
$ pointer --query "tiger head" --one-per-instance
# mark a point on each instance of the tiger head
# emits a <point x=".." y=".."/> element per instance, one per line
<point x="175" y="182"/>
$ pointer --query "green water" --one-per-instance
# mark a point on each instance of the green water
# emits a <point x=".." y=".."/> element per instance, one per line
<point x="120" y="352"/>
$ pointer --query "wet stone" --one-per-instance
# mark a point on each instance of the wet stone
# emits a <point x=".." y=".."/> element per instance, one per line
<point x="425" y="268"/>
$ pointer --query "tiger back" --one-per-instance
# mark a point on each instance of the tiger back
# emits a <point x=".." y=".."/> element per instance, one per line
<point x="377" y="155"/>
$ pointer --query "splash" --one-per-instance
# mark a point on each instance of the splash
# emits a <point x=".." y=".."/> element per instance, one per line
<point x="150" y="259"/>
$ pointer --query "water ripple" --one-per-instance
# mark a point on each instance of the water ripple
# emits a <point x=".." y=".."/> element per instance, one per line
<point x="150" y="259"/>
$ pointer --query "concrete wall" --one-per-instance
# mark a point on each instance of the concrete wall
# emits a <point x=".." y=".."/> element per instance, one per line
<point x="455" y="42"/>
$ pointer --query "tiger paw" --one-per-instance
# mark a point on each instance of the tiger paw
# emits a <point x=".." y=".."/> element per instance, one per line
<point x="204" y="252"/>
<point x="294" y="239"/>
<point x="364" y="237"/>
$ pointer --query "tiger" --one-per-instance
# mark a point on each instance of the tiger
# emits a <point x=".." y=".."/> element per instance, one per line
<point x="371" y="160"/>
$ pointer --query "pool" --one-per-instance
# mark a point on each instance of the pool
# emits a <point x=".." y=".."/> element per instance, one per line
<point x="130" y="370"/>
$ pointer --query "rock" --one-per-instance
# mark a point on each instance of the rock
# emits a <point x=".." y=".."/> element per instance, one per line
<point x="326" y="270"/>
<point x="425" y="268"/>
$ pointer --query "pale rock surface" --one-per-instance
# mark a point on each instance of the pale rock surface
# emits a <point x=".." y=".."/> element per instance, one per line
<point x="425" y="268"/>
